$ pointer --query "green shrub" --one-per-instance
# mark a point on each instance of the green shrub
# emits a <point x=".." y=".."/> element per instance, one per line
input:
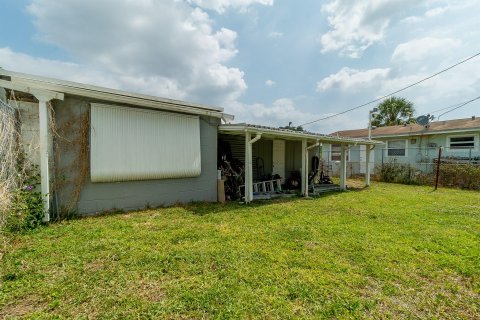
<point x="398" y="173"/>
<point x="27" y="208"/>
<point x="464" y="176"/>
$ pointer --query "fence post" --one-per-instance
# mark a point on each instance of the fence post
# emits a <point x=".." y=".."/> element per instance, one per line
<point x="438" y="166"/>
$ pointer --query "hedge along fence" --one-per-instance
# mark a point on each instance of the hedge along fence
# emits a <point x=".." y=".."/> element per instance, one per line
<point x="464" y="176"/>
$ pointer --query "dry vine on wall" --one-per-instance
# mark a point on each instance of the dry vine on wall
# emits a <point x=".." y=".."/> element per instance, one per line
<point x="17" y="155"/>
<point x="71" y="150"/>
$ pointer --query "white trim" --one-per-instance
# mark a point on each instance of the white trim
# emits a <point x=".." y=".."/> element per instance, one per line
<point x="45" y="95"/>
<point x="406" y="148"/>
<point x="475" y="142"/>
<point x="279" y="134"/>
<point x="111" y="95"/>
<point x="338" y="161"/>
<point x="44" y="121"/>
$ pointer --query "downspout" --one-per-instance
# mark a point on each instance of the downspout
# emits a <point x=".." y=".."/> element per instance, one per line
<point x="257" y="137"/>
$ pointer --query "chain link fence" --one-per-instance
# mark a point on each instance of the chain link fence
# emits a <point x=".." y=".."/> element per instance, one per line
<point x="459" y="167"/>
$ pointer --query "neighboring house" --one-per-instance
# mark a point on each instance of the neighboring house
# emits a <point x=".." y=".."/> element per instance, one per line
<point x="418" y="145"/>
<point x="100" y="149"/>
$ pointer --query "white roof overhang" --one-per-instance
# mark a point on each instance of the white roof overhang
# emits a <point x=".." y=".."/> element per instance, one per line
<point x="276" y="133"/>
<point x="104" y="94"/>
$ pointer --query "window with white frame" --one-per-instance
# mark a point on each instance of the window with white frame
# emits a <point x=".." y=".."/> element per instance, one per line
<point x="461" y="142"/>
<point x="397" y="148"/>
<point x="336" y="152"/>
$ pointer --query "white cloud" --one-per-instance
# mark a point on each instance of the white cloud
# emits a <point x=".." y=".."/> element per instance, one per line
<point x="221" y="5"/>
<point x="356" y="25"/>
<point x="285" y="110"/>
<point x="279" y="113"/>
<point x="270" y="83"/>
<point x="436" y="11"/>
<point x="155" y="85"/>
<point x="423" y="48"/>
<point x="156" y="47"/>
<point x="412" y="20"/>
<point x="275" y="34"/>
<point x="348" y="79"/>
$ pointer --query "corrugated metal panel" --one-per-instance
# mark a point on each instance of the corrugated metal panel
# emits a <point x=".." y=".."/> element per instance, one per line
<point x="135" y="144"/>
<point x="279" y="157"/>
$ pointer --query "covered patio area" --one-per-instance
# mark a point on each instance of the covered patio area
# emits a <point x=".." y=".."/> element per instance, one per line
<point x="274" y="159"/>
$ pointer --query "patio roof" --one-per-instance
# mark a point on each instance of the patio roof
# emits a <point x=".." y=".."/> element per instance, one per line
<point x="271" y="132"/>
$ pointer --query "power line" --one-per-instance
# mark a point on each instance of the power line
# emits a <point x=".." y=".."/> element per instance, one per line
<point x="446" y="108"/>
<point x="392" y="93"/>
<point x="461" y="105"/>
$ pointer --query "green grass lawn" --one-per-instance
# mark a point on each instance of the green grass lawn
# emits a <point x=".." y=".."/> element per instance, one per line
<point x="390" y="251"/>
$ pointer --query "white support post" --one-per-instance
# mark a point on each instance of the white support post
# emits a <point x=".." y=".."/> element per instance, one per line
<point x="248" y="168"/>
<point x="249" y="165"/>
<point x="44" y="156"/>
<point x="304" y="168"/>
<point x="343" y="167"/>
<point x="367" y="165"/>
<point x="43" y="97"/>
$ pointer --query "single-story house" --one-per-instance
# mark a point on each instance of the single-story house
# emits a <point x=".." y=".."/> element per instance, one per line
<point x="99" y="149"/>
<point x="418" y="144"/>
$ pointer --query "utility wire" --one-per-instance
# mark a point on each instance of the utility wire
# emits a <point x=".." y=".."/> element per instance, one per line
<point x="446" y="108"/>
<point x="392" y="93"/>
<point x="461" y="105"/>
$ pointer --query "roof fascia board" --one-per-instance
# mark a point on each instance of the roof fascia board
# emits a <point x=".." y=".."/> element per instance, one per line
<point x="124" y="99"/>
<point x="38" y="93"/>
<point x="110" y="94"/>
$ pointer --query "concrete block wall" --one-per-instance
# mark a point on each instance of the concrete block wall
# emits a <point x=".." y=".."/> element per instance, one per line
<point x="99" y="197"/>
<point x="29" y="138"/>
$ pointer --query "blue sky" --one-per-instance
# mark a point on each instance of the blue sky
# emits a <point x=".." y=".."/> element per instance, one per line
<point x="266" y="61"/>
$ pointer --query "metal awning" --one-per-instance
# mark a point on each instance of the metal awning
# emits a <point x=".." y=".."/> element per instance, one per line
<point x="287" y="134"/>
<point x="309" y="140"/>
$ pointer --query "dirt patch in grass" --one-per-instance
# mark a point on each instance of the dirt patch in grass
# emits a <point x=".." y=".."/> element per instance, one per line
<point x="22" y="307"/>
<point x="426" y="299"/>
<point x="150" y="291"/>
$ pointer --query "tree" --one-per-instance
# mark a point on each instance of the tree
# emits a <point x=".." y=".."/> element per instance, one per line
<point x="394" y="111"/>
<point x="290" y="127"/>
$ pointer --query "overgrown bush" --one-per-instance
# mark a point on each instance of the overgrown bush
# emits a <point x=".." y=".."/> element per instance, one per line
<point x="464" y="176"/>
<point x="26" y="207"/>
<point x="398" y="173"/>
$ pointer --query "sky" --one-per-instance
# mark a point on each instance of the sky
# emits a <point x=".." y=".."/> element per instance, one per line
<point x="268" y="62"/>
